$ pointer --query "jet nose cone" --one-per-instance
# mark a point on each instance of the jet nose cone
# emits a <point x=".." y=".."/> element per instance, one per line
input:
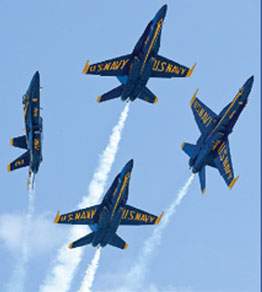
<point x="247" y="87"/>
<point x="250" y="82"/>
<point x="130" y="163"/>
<point x="36" y="79"/>
<point x="163" y="10"/>
<point x="36" y="75"/>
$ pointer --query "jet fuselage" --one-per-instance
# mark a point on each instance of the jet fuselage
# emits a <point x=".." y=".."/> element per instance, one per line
<point x="110" y="211"/>
<point x="143" y="57"/>
<point x="220" y="129"/>
<point x="33" y="122"/>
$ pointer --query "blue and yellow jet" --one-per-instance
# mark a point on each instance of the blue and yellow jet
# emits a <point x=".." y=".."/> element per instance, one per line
<point x="135" y="69"/>
<point x="105" y="218"/>
<point x="32" y="140"/>
<point x="212" y="147"/>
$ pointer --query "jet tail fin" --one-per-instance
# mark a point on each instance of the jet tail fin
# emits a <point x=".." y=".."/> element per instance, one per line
<point x="117" y="241"/>
<point x="190" y="149"/>
<point x="148" y="95"/>
<point x="21" y="161"/>
<point x="87" y="239"/>
<point x="114" y="93"/>
<point x="202" y="179"/>
<point x="19" y="142"/>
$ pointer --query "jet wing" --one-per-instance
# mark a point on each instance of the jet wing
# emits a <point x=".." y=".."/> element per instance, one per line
<point x="134" y="216"/>
<point x="82" y="216"/>
<point x="165" y="68"/>
<point x="113" y="67"/>
<point x="224" y="165"/>
<point x="204" y="116"/>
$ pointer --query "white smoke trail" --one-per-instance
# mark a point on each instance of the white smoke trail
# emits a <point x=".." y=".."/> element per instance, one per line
<point x="18" y="279"/>
<point x="67" y="261"/>
<point x="136" y="275"/>
<point x="87" y="283"/>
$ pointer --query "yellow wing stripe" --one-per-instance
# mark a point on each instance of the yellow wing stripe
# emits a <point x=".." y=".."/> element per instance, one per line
<point x="57" y="217"/>
<point x="194" y="97"/>
<point x="190" y="71"/>
<point x="86" y="68"/>
<point x="233" y="182"/>
<point x="159" y="218"/>
<point x="98" y="99"/>
<point x="155" y="100"/>
<point x="9" y="167"/>
<point x="125" y="246"/>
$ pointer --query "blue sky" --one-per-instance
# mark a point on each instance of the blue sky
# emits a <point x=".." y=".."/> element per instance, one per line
<point x="212" y="243"/>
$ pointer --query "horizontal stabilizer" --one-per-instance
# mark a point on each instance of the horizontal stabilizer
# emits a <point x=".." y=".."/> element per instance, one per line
<point x="117" y="241"/>
<point x="114" y="93"/>
<point x="21" y="161"/>
<point x="82" y="241"/>
<point x="190" y="149"/>
<point x="148" y="96"/>
<point x="19" y="142"/>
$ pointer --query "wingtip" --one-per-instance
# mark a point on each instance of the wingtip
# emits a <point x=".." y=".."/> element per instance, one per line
<point x="86" y="67"/>
<point x="98" y="99"/>
<point x="233" y="182"/>
<point x="159" y="218"/>
<point x="125" y="246"/>
<point x="193" y="97"/>
<point x="155" y="100"/>
<point x="11" y="141"/>
<point x="57" y="217"/>
<point x="9" y="167"/>
<point x="190" y="71"/>
<point x="70" y="245"/>
<point x="182" y="145"/>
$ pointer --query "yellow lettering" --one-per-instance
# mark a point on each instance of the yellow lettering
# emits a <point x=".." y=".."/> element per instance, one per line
<point x="107" y="66"/>
<point x="93" y="211"/>
<point x="100" y="67"/>
<point x="151" y="218"/>
<point x="131" y="215"/>
<point x="176" y="70"/>
<point x="155" y="65"/>
<point x="115" y="65"/>
<point x="70" y="217"/>
<point x="63" y="218"/>
<point x="144" y="218"/>
<point x="162" y="68"/>
<point x="138" y="215"/>
<point x="124" y="62"/>
<point x="92" y="68"/>
<point x="77" y="216"/>
<point x="83" y="216"/>
<point x="169" y="68"/>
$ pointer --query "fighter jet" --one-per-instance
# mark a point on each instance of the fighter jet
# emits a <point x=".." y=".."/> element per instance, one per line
<point x="212" y="148"/>
<point x="32" y="140"/>
<point x="105" y="218"/>
<point x="134" y="70"/>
